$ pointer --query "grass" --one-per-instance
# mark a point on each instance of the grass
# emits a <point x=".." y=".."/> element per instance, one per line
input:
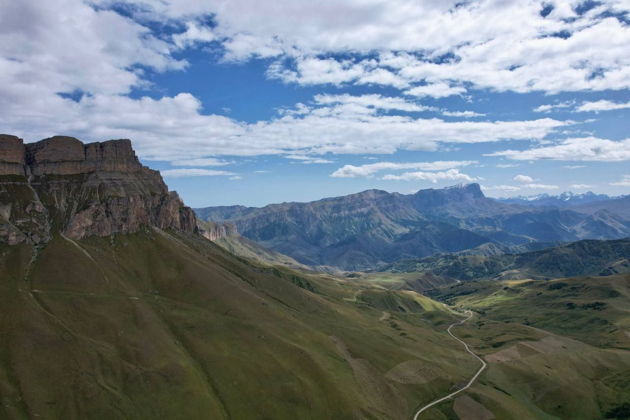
<point x="157" y="325"/>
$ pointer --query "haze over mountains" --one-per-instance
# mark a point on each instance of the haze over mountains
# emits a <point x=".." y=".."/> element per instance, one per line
<point x="362" y="231"/>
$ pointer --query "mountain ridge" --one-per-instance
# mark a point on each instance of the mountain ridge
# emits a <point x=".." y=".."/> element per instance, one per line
<point x="60" y="184"/>
<point x="363" y="230"/>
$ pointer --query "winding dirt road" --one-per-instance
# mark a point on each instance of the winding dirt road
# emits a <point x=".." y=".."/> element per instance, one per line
<point x="472" y="380"/>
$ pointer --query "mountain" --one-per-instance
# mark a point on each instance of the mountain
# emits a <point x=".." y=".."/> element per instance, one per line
<point x="564" y="200"/>
<point x="362" y="231"/>
<point x="620" y="207"/>
<point x="587" y="257"/>
<point x="81" y="190"/>
<point x="227" y="237"/>
<point x="113" y="305"/>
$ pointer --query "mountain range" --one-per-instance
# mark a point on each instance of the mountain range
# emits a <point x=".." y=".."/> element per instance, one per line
<point x="582" y="258"/>
<point x="113" y="304"/>
<point x="366" y="230"/>
<point x="563" y="200"/>
<point x="116" y="302"/>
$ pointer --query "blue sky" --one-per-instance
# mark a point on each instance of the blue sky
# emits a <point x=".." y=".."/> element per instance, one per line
<point x="242" y="102"/>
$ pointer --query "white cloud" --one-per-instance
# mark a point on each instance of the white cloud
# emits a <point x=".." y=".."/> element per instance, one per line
<point x="308" y="160"/>
<point x="552" y="107"/>
<point x="581" y="186"/>
<point x="200" y="162"/>
<point x="195" y="33"/>
<point x="507" y="188"/>
<point x="463" y="114"/>
<point x="594" y="106"/>
<point x="67" y="46"/>
<point x="541" y="186"/>
<point x="573" y="166"/>
<point x="575" y="149"/>
<point x="602" y="105"/>
<point x="188" y="172"/>
<point x="182" y="132"/>
<point x="48" y="47"/>
<point x="523" y="178"/>
<point x="436" y="90"/>
<point x="372" y="101"/>
<point x="450" y="175"/>
<point x="507" y="165"/>
<point x="351" y="171"/>
<point x="505" y="45"/>
<point x="624" y="182"/>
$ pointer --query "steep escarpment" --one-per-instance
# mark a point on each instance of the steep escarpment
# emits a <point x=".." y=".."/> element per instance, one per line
<point x="97" y="189"/>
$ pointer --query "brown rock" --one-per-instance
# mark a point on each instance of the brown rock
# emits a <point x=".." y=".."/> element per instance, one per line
<point x="12" y="155"/>
<point x="97" y="189"/>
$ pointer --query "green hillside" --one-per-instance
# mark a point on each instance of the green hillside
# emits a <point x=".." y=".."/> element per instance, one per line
<point x="162" y="325"/>
<point x="588" y="257"/>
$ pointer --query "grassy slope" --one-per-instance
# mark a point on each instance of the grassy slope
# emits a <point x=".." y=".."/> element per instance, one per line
<point x="157" y="326"/>
<point x="545" y="359"/>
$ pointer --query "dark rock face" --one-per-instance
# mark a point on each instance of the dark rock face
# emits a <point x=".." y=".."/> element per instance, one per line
<point x="61" y="184"/>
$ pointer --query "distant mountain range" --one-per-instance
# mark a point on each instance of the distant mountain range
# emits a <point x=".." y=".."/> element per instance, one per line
<point x="582" y="258"/>
<point x="368" y="229"/>
<point x="564" y="200"/>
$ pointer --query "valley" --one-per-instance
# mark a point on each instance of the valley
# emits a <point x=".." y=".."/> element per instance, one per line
<point x="118" y="303"/>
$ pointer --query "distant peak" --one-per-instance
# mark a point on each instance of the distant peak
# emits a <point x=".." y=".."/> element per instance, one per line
<point x="473" y="188"/>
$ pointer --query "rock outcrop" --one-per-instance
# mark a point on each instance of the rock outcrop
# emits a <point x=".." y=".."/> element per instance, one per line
<point x="62" y="185"/>
<point x="217" y="230"/>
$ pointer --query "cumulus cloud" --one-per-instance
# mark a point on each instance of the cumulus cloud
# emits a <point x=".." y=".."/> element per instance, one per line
<point x="195" y="33"/>
<point x="450" y="175"/>
<point x="575" y="149"/>
<point x="308" y="160"/>
<point x="552" y="107"/>
<point x="66" y="67"/>
<point x="592" y="106"/>
<point x="602" y="105"/>
<point x="463" y="114"/>
<point x="436" y="90"/>
<point x="502" y="46"/>
<point x="506" y="188"/>
<point x="541" y="186"/>
<point x="182" y="132"/>
<point x="523" y="178"/>
<point x="351" y="171"/>
<point x="372" y="101"/>
<point x="188" y="172"/>
<point x="200" y="162"/>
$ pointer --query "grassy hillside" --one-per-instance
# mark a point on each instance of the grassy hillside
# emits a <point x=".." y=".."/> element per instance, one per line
<point x="555" y="349"/>
<point x="154" y="325"/>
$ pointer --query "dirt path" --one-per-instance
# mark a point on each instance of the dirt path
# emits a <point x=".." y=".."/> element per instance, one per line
<point x="472" y="380"/>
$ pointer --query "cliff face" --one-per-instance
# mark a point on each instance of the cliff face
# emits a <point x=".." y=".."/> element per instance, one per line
<point x="216" y="230"/>
<point x="61" y="184"/>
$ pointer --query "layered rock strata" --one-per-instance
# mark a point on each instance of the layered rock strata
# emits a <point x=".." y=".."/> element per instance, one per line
<point x="62" y="185"/>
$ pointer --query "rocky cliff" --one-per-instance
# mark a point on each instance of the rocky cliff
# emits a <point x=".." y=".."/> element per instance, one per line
<point x="216" y="230"/>
<point x="62" y="185"/>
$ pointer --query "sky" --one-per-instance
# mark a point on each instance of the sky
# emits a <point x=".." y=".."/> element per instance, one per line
<point x="250" y="102"/>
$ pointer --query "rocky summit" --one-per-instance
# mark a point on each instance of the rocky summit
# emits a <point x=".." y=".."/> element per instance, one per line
<point x="96" y="189"/>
